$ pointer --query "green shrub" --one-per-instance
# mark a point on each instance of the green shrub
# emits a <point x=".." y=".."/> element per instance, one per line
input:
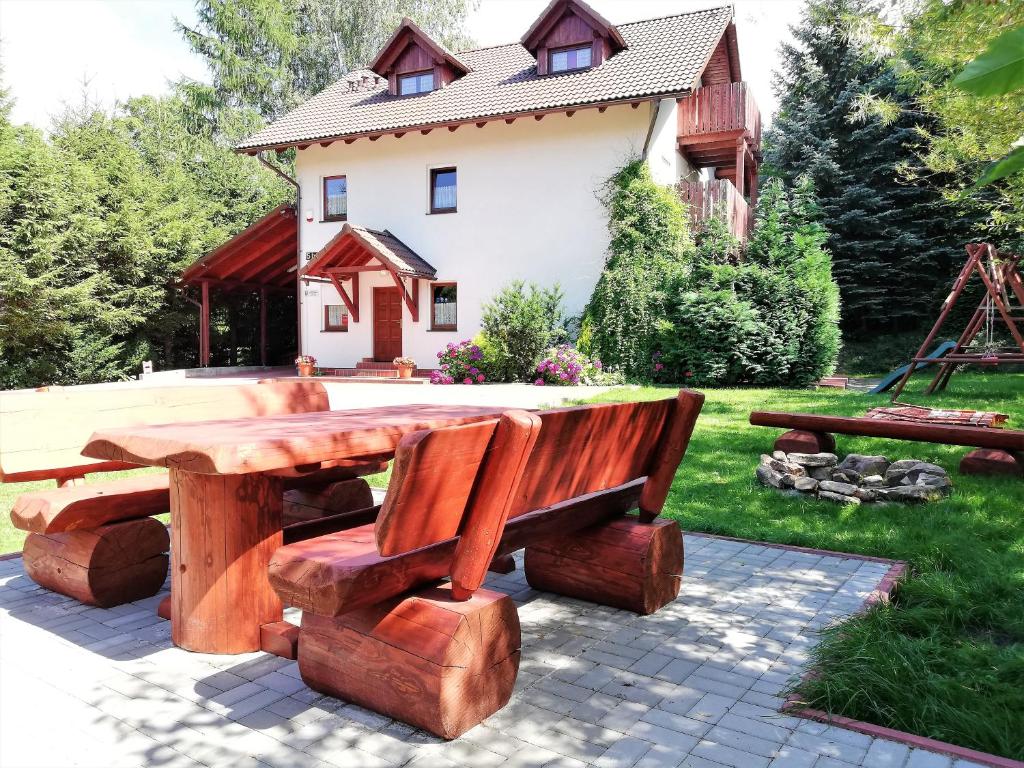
<point x="519" y="324"/>
<point x="772" y="318"/>
<point x="648" y="255"/>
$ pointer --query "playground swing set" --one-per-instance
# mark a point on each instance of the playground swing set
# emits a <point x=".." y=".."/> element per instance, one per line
<point x="996" y="451"/>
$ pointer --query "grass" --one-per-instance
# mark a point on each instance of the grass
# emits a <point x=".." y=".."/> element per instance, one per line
<point x="946" y="659"/>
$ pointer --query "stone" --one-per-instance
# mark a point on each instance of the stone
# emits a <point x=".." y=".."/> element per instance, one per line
<point x="820" y="473"/>
<point x="898" y="469"/>
<point x="783" y="467"/>
<point x="814" y="459"/>
<point x="910" y="494"/>
<point x="806" y="484"/>
<point x="873" y="481"/>
<point x="924" y="470"/>
<point x="935" y="481"/>
<point x="768" y="476"/>
<point x="838" y="498"/>
<point x="847" y="489"/>
<point x="780" y="455"/>
<point x="845" y="476"/>
<point x="866" y="494"/>
<point x="865" y="465"/>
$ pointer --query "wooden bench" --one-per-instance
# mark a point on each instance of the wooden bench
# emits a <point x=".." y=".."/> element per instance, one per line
<point x="97" y="541"/>
<point x="997" y="451"/>
<point x="380" y="629"/>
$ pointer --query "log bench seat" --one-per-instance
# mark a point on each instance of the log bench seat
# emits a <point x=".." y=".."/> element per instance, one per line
<point x="96" y="541"/>
<point x="381" y="628"/>
<point x="996" y="451"/>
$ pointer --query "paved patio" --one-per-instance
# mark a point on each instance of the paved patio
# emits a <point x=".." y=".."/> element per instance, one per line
<point x="697" y="684"/>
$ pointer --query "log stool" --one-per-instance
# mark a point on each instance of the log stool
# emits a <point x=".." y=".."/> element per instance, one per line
<point x="991" y="462"/>
<point x="625" y="564"/>
<point x="801" y="441"/>
<point x="425" y="659"/>
<point x="104" y="566"/>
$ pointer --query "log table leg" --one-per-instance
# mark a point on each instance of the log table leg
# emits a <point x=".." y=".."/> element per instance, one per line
<point x="801" y="441"/>
<point x="224" y="529"/>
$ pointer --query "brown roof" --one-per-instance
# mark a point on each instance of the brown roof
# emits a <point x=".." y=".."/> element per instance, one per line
<point x="356" y="246"/>
<point x="663" y="56"/>
<point x="263" y="254"/>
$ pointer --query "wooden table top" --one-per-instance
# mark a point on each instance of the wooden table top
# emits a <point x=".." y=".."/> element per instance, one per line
<point x="265" y="443"/>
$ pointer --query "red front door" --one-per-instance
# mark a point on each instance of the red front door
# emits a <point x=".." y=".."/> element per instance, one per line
<point x="387" y="324"/>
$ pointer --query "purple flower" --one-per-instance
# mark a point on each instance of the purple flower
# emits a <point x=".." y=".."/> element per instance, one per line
<point x="597" y="364"/>
<point x="539" y="382"/>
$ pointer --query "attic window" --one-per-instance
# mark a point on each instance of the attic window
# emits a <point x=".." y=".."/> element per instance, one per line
<point x="416" y="82"/>
<point x="570" y="59"/>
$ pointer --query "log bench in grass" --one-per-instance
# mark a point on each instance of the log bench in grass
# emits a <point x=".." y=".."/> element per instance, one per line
<point x="380" y="627"/>
<point x="97" y="542"/>
<point x="996" y="451"/>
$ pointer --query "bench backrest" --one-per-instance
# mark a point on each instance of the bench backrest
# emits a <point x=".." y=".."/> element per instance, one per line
<point x="470" y="479"/>
<point x="42" y="433"/>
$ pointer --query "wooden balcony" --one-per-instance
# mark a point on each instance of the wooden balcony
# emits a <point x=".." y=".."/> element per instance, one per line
<point x="717" y="123"/>
<point x="718" y="199"/>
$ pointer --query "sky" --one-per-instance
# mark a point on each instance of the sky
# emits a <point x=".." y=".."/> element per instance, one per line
<point x="53" y="50"/>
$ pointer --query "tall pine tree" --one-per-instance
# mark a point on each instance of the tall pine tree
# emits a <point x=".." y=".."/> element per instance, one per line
<point x="894" y="243"/>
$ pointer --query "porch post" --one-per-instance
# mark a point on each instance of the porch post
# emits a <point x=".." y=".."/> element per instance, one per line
<point x="741" y="151"/>
<point x="263" y="326"/>
<point x="204" y="327"/>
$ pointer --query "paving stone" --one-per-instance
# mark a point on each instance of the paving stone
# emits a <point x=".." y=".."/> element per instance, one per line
<point x="697" y="684"/>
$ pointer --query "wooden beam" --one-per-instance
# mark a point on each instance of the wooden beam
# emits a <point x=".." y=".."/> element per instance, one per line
<point x="263" y="326"/>
<point x="351" y="270"/>
<point x="351" y="302"/>
<point x="204" y="327"/>
<point x="978" y="437"/>
<point x="412" y="301"/>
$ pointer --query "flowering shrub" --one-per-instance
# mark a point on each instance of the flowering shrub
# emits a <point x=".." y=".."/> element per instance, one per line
<point x="562" y="366"/>
<point x="459" y="364"/>
<point x="404" y="362"/>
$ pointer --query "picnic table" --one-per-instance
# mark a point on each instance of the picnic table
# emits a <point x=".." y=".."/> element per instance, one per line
<point x="226" y="501"/>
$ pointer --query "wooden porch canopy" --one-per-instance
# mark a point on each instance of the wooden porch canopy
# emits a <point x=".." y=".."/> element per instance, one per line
<point x="261" y="258"/>
<point x="357" y="249"/>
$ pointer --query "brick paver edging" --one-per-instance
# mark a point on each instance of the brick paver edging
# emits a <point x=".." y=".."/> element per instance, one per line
<point x="881" y="594"/>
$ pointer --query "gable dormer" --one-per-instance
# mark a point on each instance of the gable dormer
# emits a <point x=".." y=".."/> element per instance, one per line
<point x="570" y="36"/>
<point x="413" y="63"/>
<point x="724" y="64"/>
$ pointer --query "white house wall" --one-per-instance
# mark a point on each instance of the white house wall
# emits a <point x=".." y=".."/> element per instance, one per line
<point x="527" y="210"/>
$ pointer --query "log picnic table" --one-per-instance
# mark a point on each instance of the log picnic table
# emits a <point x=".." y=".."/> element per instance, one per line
<point x="226" y="502"/>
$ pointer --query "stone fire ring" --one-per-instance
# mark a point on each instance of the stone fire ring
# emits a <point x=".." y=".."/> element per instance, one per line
<point x="857" y="479"/>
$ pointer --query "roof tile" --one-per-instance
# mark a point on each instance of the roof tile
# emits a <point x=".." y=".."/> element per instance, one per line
<point x="665" y="55"/>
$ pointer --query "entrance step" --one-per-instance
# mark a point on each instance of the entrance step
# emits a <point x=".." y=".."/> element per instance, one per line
<point x="365" y="373"/>
<point x="373" y="365"/>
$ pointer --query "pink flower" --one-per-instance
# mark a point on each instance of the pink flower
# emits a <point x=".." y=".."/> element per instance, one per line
<point x="597" y="364"/>
<point x="688" y="373"/>
<point x="480" y="377"/>
<point x="539" y="382"/>
<point x="467" y="380"/>
<point x="658" y="366"/>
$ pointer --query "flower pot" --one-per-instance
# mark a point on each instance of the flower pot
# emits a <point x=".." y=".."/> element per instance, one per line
<point x="404" y="372"/>
<point x="305" y="369"/>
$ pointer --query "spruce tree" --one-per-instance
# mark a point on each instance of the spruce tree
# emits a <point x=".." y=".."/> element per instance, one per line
<point x="894" y="243"/>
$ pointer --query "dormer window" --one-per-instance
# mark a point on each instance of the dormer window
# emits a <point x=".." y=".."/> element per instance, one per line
<point x="571" y="36"/>
<point x="569" y="59"/>
<point x="415" y="82"/>
<point x="413" y="63"/>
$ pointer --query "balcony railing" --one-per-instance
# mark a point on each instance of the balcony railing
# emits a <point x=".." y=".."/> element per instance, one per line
<point x="719" y="199"/>
<point x="720" y="109"/>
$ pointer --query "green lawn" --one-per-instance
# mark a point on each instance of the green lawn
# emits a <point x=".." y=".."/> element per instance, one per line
<point x="946" y="660"/>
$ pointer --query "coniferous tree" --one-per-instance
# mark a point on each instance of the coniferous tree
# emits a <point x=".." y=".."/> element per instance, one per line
<point x="894" y="243"/>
